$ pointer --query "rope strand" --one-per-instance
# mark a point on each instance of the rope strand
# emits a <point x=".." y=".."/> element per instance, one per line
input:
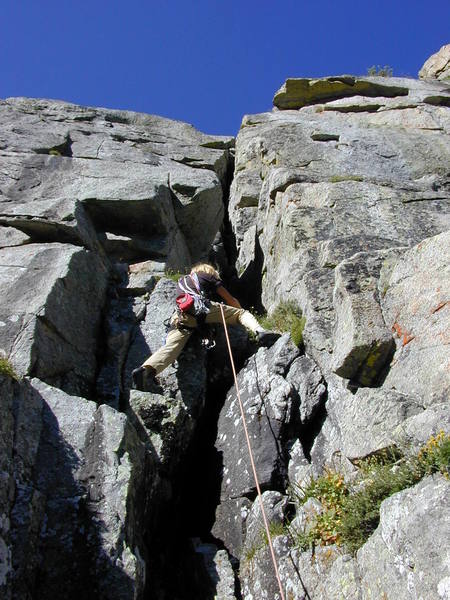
<point x="266" y="524"/>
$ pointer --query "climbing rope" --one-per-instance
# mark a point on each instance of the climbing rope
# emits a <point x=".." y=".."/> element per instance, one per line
<point x="252" y="461"/>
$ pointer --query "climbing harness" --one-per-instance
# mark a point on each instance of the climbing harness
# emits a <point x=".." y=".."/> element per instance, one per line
<point x="252" y="461"/>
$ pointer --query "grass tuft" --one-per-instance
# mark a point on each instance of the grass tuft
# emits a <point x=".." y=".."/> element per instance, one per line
<point x="341" y="178"/>
<point x="379" y="71"/>
<point x="7" y="369"/>
<point x="286" y="317"/>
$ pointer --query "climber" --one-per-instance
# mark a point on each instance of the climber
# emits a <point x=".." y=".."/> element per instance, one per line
<point x="195" y="307"/>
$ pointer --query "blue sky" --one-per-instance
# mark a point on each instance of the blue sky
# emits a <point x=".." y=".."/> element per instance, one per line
<point x="205" y="62"/>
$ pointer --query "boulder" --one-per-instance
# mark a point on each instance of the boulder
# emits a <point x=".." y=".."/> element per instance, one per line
<point x="307" y="379"/>
<point x="406" y="556"/>
<point x="415" y="431"/>
<point x="275" y="505"/>
<point x="438" y="65"/>
<point x="360" y="423"/>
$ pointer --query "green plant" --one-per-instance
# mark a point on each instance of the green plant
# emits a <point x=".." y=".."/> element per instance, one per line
<point x="378" y="71"/>
<point x="173" y="275"/>
<point x="434" y="457"/>
<point x="361" y="512"/>
<point x="286" y="317"/>
<point x="351" y="512"/>
<point x="331" y="490"/>
<point x="7" y="369"/>
<point x="251" y="551"/>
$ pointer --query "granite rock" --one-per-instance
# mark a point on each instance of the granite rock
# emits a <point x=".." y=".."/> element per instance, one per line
<point x="406" y="556"/>
<point x="50" y="307"/>
<point x="438" y="65"/>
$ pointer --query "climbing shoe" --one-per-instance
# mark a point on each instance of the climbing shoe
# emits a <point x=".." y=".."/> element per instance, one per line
<point x="266" y="338"/>
<point x="141" y="376"/>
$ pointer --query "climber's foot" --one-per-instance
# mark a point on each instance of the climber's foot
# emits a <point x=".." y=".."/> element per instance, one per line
<point x="267" y="338"/>
<point x="142" y="376"/>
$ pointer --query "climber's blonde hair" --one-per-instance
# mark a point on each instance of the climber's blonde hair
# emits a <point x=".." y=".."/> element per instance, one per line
<point x="205" y="268"/>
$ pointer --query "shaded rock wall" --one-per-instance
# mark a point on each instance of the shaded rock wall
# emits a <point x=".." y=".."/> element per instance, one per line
<point x="67" y="481"/>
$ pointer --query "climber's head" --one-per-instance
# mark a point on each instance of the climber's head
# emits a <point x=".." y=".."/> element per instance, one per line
<point x="205" y="268"/>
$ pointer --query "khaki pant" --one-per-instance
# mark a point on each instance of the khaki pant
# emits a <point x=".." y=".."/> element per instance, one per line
<point x="177" y="338"/>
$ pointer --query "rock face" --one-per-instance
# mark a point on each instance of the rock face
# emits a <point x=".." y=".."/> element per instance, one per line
<point x="339" y="204"/>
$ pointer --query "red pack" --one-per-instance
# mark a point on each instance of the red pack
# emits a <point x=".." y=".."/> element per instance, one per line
<point x="185" y="302"/>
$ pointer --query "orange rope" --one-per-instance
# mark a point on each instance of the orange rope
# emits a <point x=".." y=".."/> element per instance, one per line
<point x="266" y="524"/>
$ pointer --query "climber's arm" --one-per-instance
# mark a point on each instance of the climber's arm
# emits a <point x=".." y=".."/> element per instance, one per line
<point x="229" y="299"/>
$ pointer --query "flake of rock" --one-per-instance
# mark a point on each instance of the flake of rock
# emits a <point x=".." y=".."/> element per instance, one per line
<point x="362" y="341"/>
<point x="305" y="376"/>
<point x="229" y="525"/>
<point x="417" y="310"/>
<point x="143" y="276"/>
<point x="299" y="468"/>
<point x="9" y="236"/>
<point x="267" y="401"/>
<point x="52" y="296"/>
